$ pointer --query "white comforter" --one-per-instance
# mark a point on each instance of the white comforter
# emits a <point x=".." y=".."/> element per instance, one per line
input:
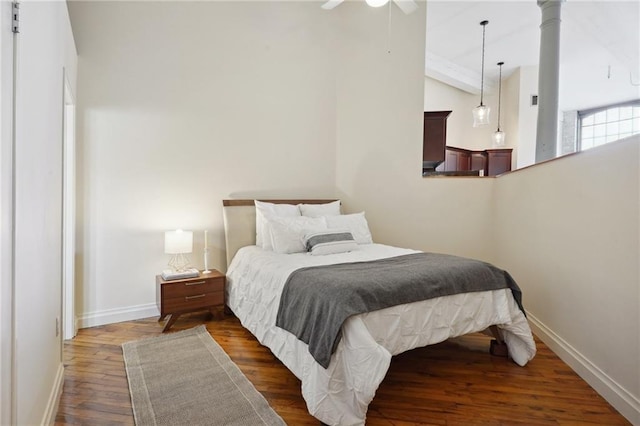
<point x="341" y="394"/>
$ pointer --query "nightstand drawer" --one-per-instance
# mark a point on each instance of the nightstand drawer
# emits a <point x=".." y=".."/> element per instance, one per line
<point x="192" y="287"/>
<point x="193" y="301"/>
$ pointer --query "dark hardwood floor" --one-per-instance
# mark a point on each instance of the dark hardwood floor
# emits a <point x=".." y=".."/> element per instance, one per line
<point x="453" y="383"/>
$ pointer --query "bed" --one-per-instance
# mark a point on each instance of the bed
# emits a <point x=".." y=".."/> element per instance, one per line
<point x="340" y="393"/>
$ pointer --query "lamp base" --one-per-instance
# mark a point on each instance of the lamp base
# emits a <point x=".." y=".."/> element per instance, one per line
<point x="179" y="262"/>
<point x="170" y="274"/>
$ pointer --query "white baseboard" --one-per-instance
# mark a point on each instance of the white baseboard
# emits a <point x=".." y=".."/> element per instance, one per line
<point x="622" y="400"/>
<point x="110" y="316"/>
<point x="51" y="410"/>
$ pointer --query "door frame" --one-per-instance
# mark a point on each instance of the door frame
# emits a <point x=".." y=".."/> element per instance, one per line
<point x="69" y="323"/>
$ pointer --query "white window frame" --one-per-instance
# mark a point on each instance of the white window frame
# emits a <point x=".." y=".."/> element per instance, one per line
<point x="609" y="122"/>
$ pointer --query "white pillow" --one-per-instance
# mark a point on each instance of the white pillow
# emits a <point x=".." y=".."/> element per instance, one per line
<point x="265" y="211"/>
<point x="317" y="210"/>
<point x="330" y="242"/>
<point x="287" y="233"/>
<point x="356" y="224"/>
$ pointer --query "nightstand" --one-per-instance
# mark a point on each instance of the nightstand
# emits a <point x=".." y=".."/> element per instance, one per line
<point x="177" y="297"/>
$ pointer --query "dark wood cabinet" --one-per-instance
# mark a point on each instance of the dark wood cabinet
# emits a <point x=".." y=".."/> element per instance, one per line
<point x="456" y="159"/>
<point x="498" y="161"/>
<point x="478" y="160"/>
<point x="490" y="162"/>
<point x="434" y="139"/>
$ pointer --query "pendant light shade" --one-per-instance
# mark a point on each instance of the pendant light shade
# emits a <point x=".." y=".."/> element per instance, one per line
<point x="481" y="115"/>
<point x="481" y="112"/>
<point x="498" y="135"/>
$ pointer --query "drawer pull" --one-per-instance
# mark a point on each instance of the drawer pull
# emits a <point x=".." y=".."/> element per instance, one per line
<point x="196" y="283"/>
<point x="194" y="297"/>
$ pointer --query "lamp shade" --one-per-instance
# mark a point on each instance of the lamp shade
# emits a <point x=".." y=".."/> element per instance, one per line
<point x="178" y="241"/>
<point x="498" y="138"/>
<point x="377" y="3"/>
<point x="481" y="115"/>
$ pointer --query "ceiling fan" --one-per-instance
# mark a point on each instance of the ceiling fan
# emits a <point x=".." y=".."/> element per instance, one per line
<point x="407" y="6"/>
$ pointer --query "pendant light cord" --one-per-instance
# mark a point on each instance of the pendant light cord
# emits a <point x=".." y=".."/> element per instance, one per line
<point x="500" y="64"/>
<point x="484" y="28"/>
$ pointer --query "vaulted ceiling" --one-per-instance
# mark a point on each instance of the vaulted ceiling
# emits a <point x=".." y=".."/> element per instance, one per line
<point x="604" y="33"/>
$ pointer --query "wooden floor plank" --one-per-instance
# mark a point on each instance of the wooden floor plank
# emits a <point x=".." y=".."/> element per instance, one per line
<point x="453" y="383"/>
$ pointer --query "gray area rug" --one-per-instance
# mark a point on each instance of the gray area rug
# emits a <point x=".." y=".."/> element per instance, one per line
<point x="185" y="378"/>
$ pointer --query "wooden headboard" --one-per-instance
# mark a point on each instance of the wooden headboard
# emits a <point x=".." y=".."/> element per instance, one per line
<point x="240" y="222"/>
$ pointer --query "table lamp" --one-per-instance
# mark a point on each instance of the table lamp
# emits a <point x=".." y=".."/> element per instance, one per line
<point x="178" y="244"/>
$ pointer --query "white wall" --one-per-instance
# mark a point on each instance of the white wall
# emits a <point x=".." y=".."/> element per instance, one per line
<point x="45" y="48"/>
<point x="379" y="144"/>
<point x="528" y="116"/>
<point x="510" y="123"/>
<point x="6" y="211"/>
<point x="569" y="232"/>
<point x="180" y="106"/>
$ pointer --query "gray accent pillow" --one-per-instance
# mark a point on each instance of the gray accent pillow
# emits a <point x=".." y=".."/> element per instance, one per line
<point x="330" y="242"/>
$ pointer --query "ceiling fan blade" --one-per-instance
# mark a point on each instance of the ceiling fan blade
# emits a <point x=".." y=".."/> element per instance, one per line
<point x="331" y="4"/>
<point x="407" y="6"/>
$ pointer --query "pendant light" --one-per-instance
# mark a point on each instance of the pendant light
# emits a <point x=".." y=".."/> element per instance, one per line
<point x="498" y="135"/>
<point x="481" y="112"/>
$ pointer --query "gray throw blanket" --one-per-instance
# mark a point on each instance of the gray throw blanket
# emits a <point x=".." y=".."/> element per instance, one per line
<point x="317" y="300"/>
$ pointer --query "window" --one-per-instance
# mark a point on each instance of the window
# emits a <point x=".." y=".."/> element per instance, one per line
<point x="611" y="123"/>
